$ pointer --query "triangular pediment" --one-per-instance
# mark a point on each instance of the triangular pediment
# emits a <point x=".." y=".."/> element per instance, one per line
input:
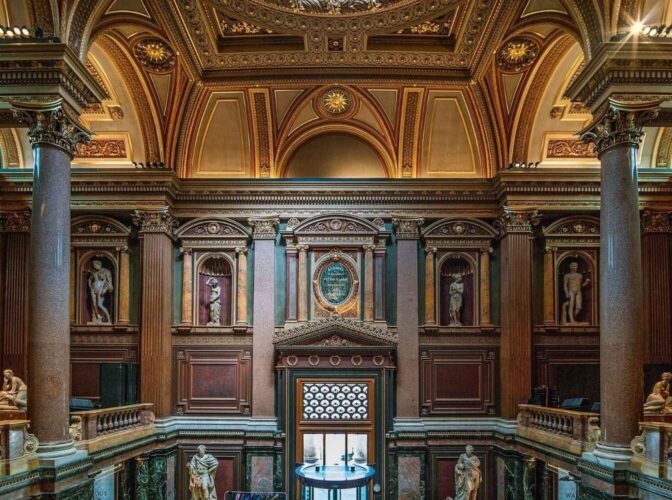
<point x="335" y="332"/>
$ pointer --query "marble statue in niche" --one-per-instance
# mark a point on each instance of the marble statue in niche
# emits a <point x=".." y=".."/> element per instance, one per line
<point x="214" y="302"/>
<point x="456" y="292"/>
<point x="659" y="401"/>
<point x="573" y="285"/>
<point x="468" y="476"/>
<point x="202" y="470"/>
<point x="100" y="285"/>
<point x="14" y="394"/>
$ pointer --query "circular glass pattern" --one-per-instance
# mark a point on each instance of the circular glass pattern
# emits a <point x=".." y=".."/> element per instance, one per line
<point x="335" y="283"/>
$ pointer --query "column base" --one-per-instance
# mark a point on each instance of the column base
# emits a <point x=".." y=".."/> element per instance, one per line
<point x="612" y="452"/>
<point x="59" y="454"/>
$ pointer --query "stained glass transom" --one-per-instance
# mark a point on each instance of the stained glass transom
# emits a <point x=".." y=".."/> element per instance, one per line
<point x="335" y="401"/>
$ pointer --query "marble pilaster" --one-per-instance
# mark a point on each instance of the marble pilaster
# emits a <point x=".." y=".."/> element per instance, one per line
<point x="549" y="287"/>
<point x="408" y="355"/>
<point x="430" y="286"/>
<point x="303" y="283"/>
<point x="156" y="232"/>
<point x="368" y="283"/>
<point x="241" y="291"/>
<point x="516" y="308"/>
<point x="263" y="376"/>
<point x="485" y="286"/>
<point x="187" y="286"/>
<point x="15" y="227"/>
<point x="617" y="135"/>
<point x="123" y="316"/>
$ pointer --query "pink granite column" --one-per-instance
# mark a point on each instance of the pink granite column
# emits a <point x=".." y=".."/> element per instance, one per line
<point x="617" y="135"/>
<point x="54" y="136"/>
<point x="408" y="355"/>
<point x="263" y="321"/>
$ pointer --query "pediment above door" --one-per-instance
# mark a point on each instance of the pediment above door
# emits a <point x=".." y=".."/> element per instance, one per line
<point x="336" y="332"/>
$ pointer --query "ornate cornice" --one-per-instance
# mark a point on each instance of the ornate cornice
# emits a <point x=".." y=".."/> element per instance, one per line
<point x="155" y="221"/>
<point x="407" y="228"/>
<point x="264" y="228"/>
<point x="516" y="221"/>
<point x="620" y="125"/>
<point x="656" y="222"/>
<point x="17" y="221"/>
<point x="49" y="123"/>
<point x="324" y="328"/>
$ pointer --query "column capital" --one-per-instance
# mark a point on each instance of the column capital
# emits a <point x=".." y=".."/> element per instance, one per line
<point x="654" y="221"/>
<point x="430" y="250"/>
<point x="302" y="248"/>
<point x="123" y="249"/>
<point x="369" y="248"/>
<point x="155" y="221"/>
<point x="620" y="124"/>
<point x="15" y="221"/>
<point x="407" y="228"/>
<point x="50" y="123"/>
<point x="516" y="221"/>
<point x="264" y="228"/>
<point x="240" y="250"/>
<point x="186" y="250"/>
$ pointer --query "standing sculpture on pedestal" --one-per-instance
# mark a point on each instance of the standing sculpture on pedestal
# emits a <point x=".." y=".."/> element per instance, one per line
<point x="573" y="286"/>
<point x="215" y="303"/>
<point x="659" y="401"/>
<point x="100" y="284"/>
<point x="202" y="469"/>
<point x="456" y="292"/>
<point x="14" y="394"/>
<point x="468" y="476"/>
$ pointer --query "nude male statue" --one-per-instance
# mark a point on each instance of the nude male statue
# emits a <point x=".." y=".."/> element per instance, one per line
<point x="573" y="286"/>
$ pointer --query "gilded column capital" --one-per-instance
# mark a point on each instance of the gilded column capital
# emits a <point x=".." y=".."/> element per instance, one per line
<point x="516" y="221"/>
<point x="50" y="123"/>
<point x="369" y="248"/>
<point x="407" y="228"/>
<point x="15" y="221"/>
<point x="620" y="124"/>
<point x="302" y="248"/>
<point x="431" y="250"/>
<point x="264" y="228"/>
<point x="122" y="249"/>
<point x="155" y="221"/>
<point x="186" y="250"/>
<point x="656" y="222"/>
<point x="241" y="250"/>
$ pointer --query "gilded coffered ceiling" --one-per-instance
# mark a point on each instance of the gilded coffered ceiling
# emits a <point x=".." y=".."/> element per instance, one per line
<point x="271" y="88"/>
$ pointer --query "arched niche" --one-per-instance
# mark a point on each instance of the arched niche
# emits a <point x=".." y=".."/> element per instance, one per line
<point x="98" y="278"/>
<point x="214" y="290"/>
<point x="335" y="155"/>
<point x="457" y="290"/>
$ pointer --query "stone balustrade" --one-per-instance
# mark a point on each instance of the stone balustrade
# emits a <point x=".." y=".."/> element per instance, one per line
<point x="97" y="429"/>
<point x="653" y="449"/>
<point x="572" y="431"/>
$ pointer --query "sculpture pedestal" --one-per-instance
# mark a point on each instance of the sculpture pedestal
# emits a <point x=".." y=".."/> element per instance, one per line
<point x="658" y="418"/>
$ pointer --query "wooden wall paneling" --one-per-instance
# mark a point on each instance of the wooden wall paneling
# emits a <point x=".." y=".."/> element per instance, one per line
<point x="85" y="364"/>
<point x="573" y="369"/>
<point x="458" y="381"/>
<point x="213" y="380"/>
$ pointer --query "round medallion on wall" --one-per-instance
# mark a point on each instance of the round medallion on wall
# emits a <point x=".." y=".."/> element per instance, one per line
<point x="154" y="54"/>
<point x="314" y="360"/>
<point x="517" y="54"/>
<point x="336" y="102"/>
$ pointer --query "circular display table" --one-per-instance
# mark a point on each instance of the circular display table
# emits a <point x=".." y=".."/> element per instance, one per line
<point x="334" y="482"/>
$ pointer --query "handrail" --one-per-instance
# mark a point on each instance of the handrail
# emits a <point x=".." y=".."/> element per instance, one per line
<point x="90" y="424"/>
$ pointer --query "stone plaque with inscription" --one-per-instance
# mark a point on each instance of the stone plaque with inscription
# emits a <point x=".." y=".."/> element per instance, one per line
<point x="335" y="283"/>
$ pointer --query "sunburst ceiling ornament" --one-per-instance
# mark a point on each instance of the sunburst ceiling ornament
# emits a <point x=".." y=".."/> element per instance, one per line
<point x="154" y="54"/>
<point x="336" y="101"/>
<point x="517" y="54"/>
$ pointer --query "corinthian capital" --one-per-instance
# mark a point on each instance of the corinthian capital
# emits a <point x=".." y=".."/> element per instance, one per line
<point x="407" y="228"/>
<point x="155" y="221"/>
<point x="621" y="124"/>
<point x="50" y="123"/>
<point x="264" y="228"/>
<point x="516" y="221"/>
<point x="17" y="221"/>
<point x="656" y="222"/>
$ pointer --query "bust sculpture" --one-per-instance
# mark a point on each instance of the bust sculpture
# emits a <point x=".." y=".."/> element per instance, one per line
<point x="100" y="284"/>
<point x="14" y="394"/>
<point x="573" y="284"/>
<point x="659" y="401"/>
<point x="456" y="291"/>
<point x="467" y="475"/>
<point x="214" y="303"/>
<point x="202" y="470"/>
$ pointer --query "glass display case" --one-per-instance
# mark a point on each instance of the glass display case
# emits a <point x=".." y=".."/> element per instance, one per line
<point x="334" y="482"/>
